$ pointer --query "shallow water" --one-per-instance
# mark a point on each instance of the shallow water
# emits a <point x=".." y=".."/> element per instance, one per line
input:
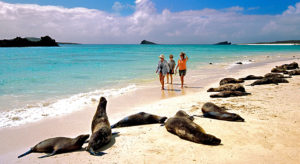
<point x="41" y="81"/>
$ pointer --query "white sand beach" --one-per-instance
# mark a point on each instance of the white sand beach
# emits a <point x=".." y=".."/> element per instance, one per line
<point x="270" y="133"/>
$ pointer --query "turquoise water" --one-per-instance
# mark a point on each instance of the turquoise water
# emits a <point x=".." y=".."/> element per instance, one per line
<point x="33" y="77"/>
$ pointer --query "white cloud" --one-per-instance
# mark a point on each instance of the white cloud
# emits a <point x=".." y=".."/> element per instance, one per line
<point x="195" y="26"/>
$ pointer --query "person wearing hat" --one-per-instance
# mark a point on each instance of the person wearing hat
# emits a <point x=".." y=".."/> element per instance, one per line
<point x="172" y="64"/>
<point x="162" y="69"/>
<point x="182" y="67"/>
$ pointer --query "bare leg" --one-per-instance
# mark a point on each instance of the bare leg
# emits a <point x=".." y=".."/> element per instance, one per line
<point x="171" y="78"/>
<point x="167" y="78"/>
<point x="161" y="79"/>
<point x="182" y="80"/>
<point x="163" y="82"/>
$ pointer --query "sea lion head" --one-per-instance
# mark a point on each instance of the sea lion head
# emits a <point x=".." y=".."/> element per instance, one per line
<point x="102" y="105"/>
<point x="182" y="113"/>
<point x="236" y="117"/>
<point x="211" y="140"/>
<point x="162" y="119"/>
<point x="82" y="138"/>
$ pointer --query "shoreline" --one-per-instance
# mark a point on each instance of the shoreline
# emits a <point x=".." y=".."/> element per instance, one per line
<point x="135" y="101"/>
<point x="56" y="107"/>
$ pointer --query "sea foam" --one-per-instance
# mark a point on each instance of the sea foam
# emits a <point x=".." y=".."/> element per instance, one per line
<point x="36" y="112"/>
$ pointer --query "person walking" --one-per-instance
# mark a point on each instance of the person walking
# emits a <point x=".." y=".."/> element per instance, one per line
<point x="162" y="69"/>
<point x="172" y="64"/>
<point x="182" y="67"/>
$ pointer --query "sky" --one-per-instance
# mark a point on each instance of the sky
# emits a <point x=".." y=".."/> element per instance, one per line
<point x="160" y="21"/>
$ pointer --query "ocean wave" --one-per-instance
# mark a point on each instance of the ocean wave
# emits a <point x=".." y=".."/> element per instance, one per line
<point x="36" y="112"/>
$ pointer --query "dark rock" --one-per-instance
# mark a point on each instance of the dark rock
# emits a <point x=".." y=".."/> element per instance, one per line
<point x="25" y="42"/>
<point x="238" y="63"/>
<point x="225" y="94"/>
<point x="230" y="80"/>
<point x="251" y="77"/>
<point x="147" y="42"/>
<point x="228" y="87"/>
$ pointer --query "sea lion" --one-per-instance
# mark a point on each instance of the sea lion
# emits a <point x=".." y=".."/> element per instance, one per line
<point x="230" y="80"/>
<point x="275" y="75"/>
<point x="294" y="72"/>
<point x="58" y="145"/>
<point x="225" y="94"/>
<point x="211" y="110"/>
<point x="278" y="70"/>
<point x="141" y="118"/>
<point x="228" y="87"/>
<point x="182" y="126"/>
<point x="101" y="131"/>
<point x="290" y="66"/>
<point x="251" y="77"/>
<point x="269" y="81"/>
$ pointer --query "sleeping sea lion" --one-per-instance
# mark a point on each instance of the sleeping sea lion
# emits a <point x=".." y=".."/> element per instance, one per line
<point x="58" y="145"/>
<point x="139" y="119"/>
<point x="294" y="72"/>
<point x="229" y="94"/>
<point x="278" y="70"/>
<point x="251" y="77"/>
<point x="211" y="110"/>
<point x="182" y="126"/>
<point x="290" y="66"/>
<point x="228" y="87"/>
<point x="230" y="80"/>
<point x="276" y="75"/>
<point x="101" y="131"/>
<point x="269" y="81"/>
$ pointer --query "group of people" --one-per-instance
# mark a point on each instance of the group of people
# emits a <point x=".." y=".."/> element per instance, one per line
<point x="167" y="68"/>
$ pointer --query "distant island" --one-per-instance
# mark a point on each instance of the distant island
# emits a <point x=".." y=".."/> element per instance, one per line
<point x="29" y="42"/>
<point x="223" y="43"/>
<point x="289" y="42"/>
<point x="147" y="42"/>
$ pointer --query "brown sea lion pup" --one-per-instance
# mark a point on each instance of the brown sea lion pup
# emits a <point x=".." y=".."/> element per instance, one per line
<point x="225" y="94"/>
<point x="228" y="87"/>
<point x="101" y="131"/>
<point x="251" y="77"/>
<point x="275" y="75"/>
<point x="269" y="81"/>
<point x="139" y="119"/>
<point x="230" y="80"/>
<point x="182" y="126"/>
<point x="211" y="110"/>
<point x="58" y="145"/>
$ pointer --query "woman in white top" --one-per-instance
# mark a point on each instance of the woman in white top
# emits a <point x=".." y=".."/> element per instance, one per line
<point x="162" y="69"/>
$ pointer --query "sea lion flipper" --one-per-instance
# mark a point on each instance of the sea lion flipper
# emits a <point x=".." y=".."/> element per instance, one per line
<point x="26" y="153"/>
<point x="115" y="133"/>
<point x="92" y="152"/>
<point x="48" y="155"/>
